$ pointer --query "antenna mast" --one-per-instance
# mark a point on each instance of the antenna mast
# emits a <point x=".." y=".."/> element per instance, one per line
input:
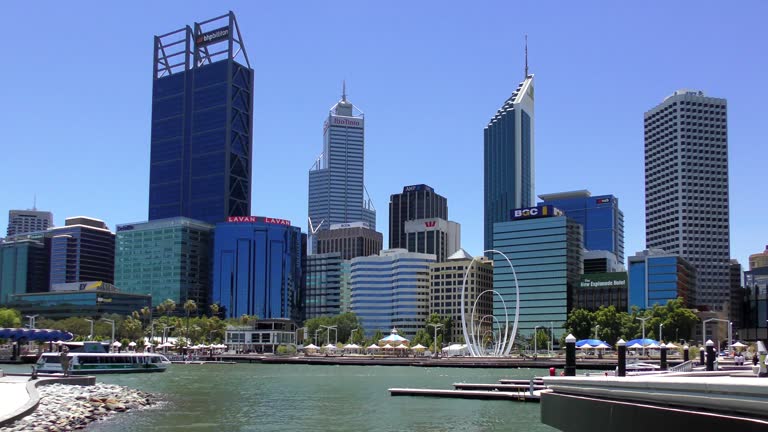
<point x="526" y="55"/>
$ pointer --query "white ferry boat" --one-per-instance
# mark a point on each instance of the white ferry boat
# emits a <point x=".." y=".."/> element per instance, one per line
<point x="93" y="360"/>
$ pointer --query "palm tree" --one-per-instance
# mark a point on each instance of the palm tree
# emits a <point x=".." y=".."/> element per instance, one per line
<point x="244" y="318"/>
<point x="170" y="306"/>
<point x="146" y="313"/>
<point x="160" y="308"/>
<point x="189" y="307"/>
<point x="214" y="310"/>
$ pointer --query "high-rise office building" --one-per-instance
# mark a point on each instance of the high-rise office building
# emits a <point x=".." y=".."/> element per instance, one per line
<point x="600" y="216"/>
<point x="759" y="259"/>
<point x="336" y="190"/>
<point x="165" y="258"/>
<point x="25" y="221"/>
<point x="446" y="279"/>
<point x="391" y="290"/>
<point x="415" y="202"/>
<point x="323" y="286"/>
<point x="737" y="295"/>
<point x="202" y="116"/>
<point x="258" y="268"/>
<point x="656" y="277"/>
<point x="545" y="247"/>
<point x="598" y="290"/>
<point x="686" y="188"/>
<point x="435" y="236"/>
<point x="351" y="240"/>
<point x="82" y="250"/>
<point x="24" y="267"/>
<point x="508" y="148"/>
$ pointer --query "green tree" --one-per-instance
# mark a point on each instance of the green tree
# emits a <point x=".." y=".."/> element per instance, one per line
<point x="422" y="337"/>
<point x="377" y="336"/>
<point x="189" y="307"/>
<point x="10" y="318"/>
<point x="580" y="323"/>
<point x="214" y="310"/>
<point x="610" y="322"/>
<point x="131" y="329"/>
<point x="542" y="339"/>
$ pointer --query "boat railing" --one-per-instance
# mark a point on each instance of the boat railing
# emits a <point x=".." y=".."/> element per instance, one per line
<point x="683" y="367"/>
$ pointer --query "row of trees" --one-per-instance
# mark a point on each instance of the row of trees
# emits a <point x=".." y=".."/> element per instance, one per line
<point x="345" y="324"/>
<point x="677" y="322"/>
<point x="425" y="336"/>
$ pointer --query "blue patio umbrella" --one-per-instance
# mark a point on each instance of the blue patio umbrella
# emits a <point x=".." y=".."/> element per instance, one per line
<point x="590" y="342"/>
<point x="644" y="342"/>
<point x="5" y="333"/>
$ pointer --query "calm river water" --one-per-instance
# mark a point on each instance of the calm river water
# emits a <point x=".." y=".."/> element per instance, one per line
<point x="256" y="397"/>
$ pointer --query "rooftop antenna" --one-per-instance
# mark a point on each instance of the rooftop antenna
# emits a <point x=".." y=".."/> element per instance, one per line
<point x="526" y="55"/>
<point x="343" y="90"/>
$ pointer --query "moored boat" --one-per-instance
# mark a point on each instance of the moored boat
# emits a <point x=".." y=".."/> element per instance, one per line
<point x="92" y="359"/>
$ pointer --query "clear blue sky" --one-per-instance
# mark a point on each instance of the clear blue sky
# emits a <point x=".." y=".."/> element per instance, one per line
<point x="75" y="87"/>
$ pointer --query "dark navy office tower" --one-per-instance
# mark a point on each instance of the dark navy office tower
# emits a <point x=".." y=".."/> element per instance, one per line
<point x="258" y="267"/>
<point x="202" y="116"/>
<point x="600" y="216"/>
<point x="508" y="158"/>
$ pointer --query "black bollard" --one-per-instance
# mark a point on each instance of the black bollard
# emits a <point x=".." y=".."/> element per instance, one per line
<point x="702" y="358"/>
<point x="663" y="357"/>
<point x="685" y="353"/>
<point x="710" y="356"/>
<point x="622" y="358"/>
<point x="570" y="355"/>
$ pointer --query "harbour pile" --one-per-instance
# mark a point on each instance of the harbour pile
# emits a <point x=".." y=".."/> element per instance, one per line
<point x="71" y="407"/>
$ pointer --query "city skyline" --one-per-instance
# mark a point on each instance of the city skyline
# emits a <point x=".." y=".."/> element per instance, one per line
<point x="120" y="196"/>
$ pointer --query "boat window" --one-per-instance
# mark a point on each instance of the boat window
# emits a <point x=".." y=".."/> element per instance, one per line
<point x="52" y="359"/>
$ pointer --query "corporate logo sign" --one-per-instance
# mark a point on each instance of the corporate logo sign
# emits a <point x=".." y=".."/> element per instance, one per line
<point x="252" y="219"/>
<point x="615" y="280"/>
<point x="212" y="36"/>
<point x="352" y="122"/>
<point x="416" y="188"/>
<point x="535" y="212"/>
<point x="430" y="224"/>
<point x="124" y="228"/>
<point x="603" y="200"/>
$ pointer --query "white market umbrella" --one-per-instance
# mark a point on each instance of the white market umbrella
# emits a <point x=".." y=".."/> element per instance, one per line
<point x="311" y="347"/>
<point x="418" y="347"/>
<point x="586" y="346"/>
<point x="635" y="346"/>
<point x="374" y="346"/>
<point x="602" y="346"/>
<point x="387" y="346"/>
<point x="738" y="345"/>
<point x="653" y="346"/>
<point x="401" y="346"/>
<point x="330" y="347"/>
<point x="351" y="346"/>
<point x="132" y="344"/>
<point x="671" y="346"/>
<point x="117" y="344"/>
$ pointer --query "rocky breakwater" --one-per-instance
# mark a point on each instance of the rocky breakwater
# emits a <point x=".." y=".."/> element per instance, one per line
<point x="70" y="407"/>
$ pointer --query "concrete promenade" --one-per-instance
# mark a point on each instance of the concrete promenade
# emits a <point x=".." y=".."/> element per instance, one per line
<point x="19" y="396"/>
<point x="13" y="395"/>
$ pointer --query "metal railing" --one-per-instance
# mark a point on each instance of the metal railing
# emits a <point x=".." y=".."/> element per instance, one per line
<point x="683" y="367"/>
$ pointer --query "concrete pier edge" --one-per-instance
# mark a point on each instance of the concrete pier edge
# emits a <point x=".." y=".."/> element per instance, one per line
<point x="34" y="396"/>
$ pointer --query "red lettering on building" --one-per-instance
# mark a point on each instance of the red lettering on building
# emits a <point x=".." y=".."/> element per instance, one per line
<point x="251" y="219"/>
<point x="430" y="224"/>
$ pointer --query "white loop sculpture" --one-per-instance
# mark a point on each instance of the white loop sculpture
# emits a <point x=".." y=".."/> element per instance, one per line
<point x="504" y="346"/>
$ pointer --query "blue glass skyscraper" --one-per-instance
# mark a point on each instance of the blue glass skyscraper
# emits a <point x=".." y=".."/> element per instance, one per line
<point x="600" y="216"/>
<point x="202" y="116"/>
<point x="508" y="158"/>
<point x="336" y="189"/>
<point x="258" y="267"/>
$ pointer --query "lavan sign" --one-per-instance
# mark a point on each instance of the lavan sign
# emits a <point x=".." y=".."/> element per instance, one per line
<point x="252" y="219"/>
<point x="535" y="212"/>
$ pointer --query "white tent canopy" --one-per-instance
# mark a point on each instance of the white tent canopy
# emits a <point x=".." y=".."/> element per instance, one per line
<point x="351" y="346"/>
<point x="671" y="346"/>
<point x="374" y="346"/>
<point x="311" y="347"/>
<point x="738" y="345"/>
<point x="117" y="344"/>
<point x="401" y="346"/>
<point x="635" y="346"/>
<point x="586" y="346"/>
<point x="132" y="344"/>
<point x="602" y="346"/>
<point x="418" y="347"/>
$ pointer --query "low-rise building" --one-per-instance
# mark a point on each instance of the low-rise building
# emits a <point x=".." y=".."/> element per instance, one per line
<point x="82" y="299"/>
<point x="656" y="277"/>
<point x="261" y="336"/>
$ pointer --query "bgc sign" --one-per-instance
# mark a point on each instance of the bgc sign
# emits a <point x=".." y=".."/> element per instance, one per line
<point x="534" y="212"/>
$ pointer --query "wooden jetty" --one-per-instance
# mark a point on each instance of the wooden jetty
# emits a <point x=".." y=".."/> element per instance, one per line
<point x="498" y="387"/>
<point x="519" y="396"/>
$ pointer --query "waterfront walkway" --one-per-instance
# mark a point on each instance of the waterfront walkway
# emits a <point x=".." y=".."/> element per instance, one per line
<point x="13" y="395"/>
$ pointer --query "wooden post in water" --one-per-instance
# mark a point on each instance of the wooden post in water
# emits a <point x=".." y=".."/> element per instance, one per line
<point x="622" y="371"/>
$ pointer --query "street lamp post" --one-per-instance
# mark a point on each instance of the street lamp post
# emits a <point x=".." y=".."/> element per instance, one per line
<point x="597" y="326"/>
<point x="32" y="321"/>
<point x="661" y="325"/>
<point x="113" y="330"/>
<point x="436" y="326"/>
<point x="328" y="333"/>
<point x="551" y="337"/>
<point x="316" y="330"/>
<point x="352" y="335"/>
<point x="535" y="340"/>
<point x="643" y="321"/>
<point x="90" y="335"/>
